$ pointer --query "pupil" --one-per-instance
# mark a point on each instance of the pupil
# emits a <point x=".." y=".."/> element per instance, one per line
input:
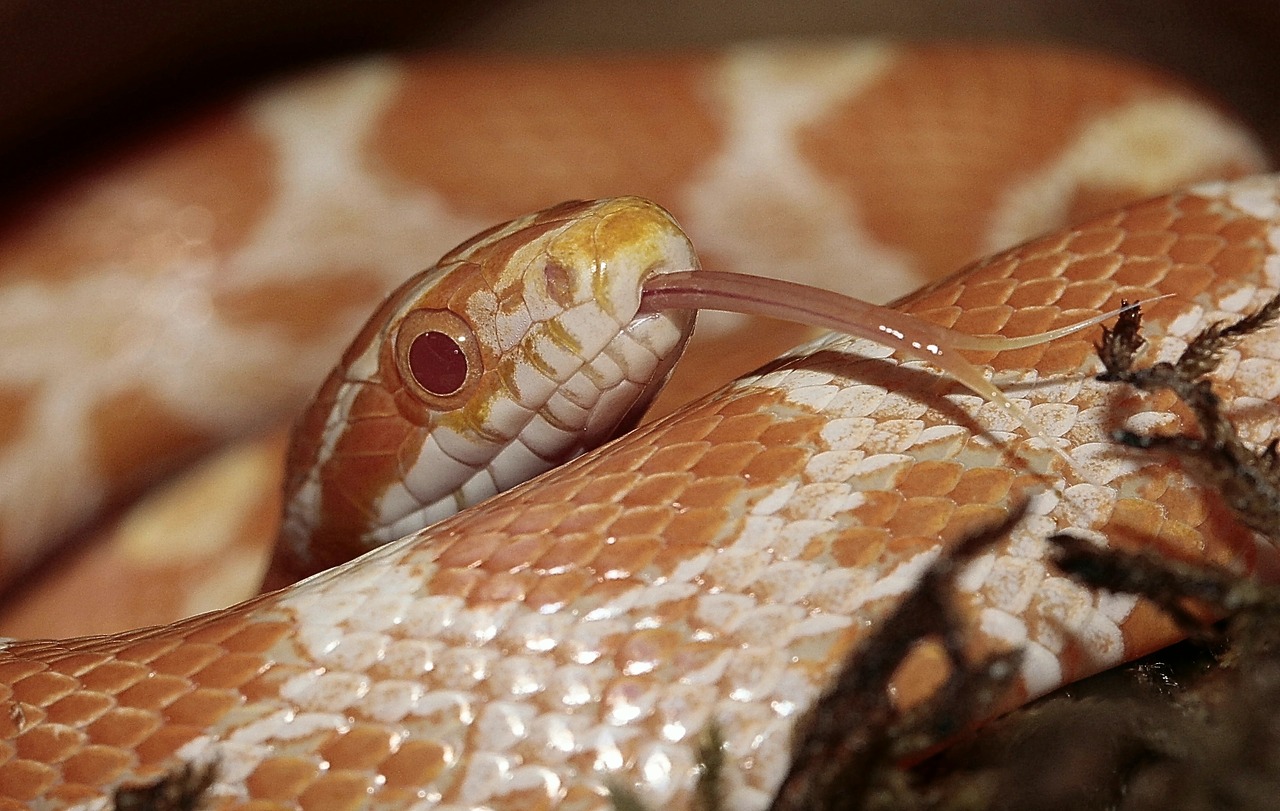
<point x="437" y="363"/>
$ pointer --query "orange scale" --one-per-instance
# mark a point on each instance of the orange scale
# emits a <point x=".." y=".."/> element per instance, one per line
<point x="26" y="779"/>
<point x="1088" y="294"/>
<point x="517" y="552"/>
<point x="983" y="320"/>
<point x="1240" y="258"/>
<point x="1095" y="267"/>
<point x="71" y="795"/>
<point x="1194" y="249"/>
<point x="568" y="551"/>
<point x="1158" y="215"/>
<point x="187" y="659"/>
<point x="922" y="516"/>
<point x="704" y="493"/>
<point x="44" y="688"/>
<point x="901" y="548"/>
<point x="745" y="427"/>
<point x="584" y="518"/>
<point x="981" y="294"/>
<point x="455" y="582"/>
<point x="201" y="707"/>
<point x="1065" y="358"/>
<point x="1213" y="222"/>
<point x="20" y="716"/>
<point x="695" y="529"/>
<point x="364" y="746"/>
<point x="944" y="296"/>
<point x="536" y="517"/>
<point x="1131" y="515"/>
<point x="266" y="685"/>
<point x="1188" y="280"/>
<point x="858" y="547"/>
<point x="554" y="590"/>
<point x="1095" y="240"/>
<point x="1039" y="292"/>
<point x="469" y="551"/>
<point x="930" y="478"/>
<point x="501" y="587"/>
<point x="155" y="693"/>
<point x="97" y="765"/>
<point x="748" y="402"/>
<point x="560" y="491"/>
<point x="124" y="727"/>
<point x="230" y="672"/>
<point x="877" y="508"/>
<point x="416" y="763"/>
<point x="281" y="778"/>
<point x="1147" y="244"/>
<point x="765" y="467"/>
<point x="944" y="316"/>
<point x="257" y="637"/>
<point x="610" y="487"/>
<point x="1179" y="535"/>
<point x="1184" y="507"/>
<point x="600" y="591"/>
<point x="983" y="485"/>
<point x="626" y="557"/>
<point x="793" y="431"/>
<point x="689" y="432"/>
<point x="1153" y="486"/>
<point x="647" y="649"/>
<point x="1243" y="230"/>
<point x="640" y="521"/>
<point x="146" y="649"/>
<point x="1050" y="243"/>
<point x="1143" y="271"/>
<point x="213" y="630"/>
<point x="165" y="742"/>
<point x="970" y="518"/>
<point x="678" y="457"/>
<point x="48" y="743"/>
<point x="75" y="664"/>
<point x="659" y="489"/>
<point x="1018" y="360"/>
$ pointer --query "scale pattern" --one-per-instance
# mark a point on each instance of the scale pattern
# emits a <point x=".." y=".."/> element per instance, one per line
<point x="717" y="564"/>
<point x="199" y="286"/>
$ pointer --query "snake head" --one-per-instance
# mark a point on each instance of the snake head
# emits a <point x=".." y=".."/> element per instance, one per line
<point x="519" y="350"/>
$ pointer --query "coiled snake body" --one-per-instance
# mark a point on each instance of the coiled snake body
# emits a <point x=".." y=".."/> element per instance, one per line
<point x="714" y="565"/>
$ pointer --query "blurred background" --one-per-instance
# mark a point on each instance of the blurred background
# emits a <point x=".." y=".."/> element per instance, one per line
<point x="76" y="74"/>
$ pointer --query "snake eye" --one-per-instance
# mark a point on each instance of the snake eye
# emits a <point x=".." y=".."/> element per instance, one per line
<point x="437" y="356"/>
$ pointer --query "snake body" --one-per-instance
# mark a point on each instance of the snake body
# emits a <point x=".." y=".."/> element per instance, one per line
<point x="715" y="565"/>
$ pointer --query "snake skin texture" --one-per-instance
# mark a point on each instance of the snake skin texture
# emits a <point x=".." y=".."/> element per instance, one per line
<point x="717" y="564"/>
<point x="200" y="284"/>
<point x="714" y="565"/>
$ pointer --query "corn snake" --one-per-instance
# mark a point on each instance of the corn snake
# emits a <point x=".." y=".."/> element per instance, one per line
<point x="851" y="441"/>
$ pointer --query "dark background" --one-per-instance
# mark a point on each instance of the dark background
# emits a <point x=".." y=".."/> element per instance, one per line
<point x="79" y="74"/>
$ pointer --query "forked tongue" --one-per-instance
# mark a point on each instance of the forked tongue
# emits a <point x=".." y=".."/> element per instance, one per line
<point x="789" y="301"/>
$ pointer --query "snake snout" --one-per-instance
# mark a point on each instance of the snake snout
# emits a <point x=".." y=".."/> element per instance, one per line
<point x="634" y="240"/>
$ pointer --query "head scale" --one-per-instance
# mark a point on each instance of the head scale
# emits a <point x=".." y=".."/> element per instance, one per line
<point x="519" y="350"/>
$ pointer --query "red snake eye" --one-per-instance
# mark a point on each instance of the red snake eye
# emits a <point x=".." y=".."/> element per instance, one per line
<point x="437" y="363"/>
<point x="437" y="356"/>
